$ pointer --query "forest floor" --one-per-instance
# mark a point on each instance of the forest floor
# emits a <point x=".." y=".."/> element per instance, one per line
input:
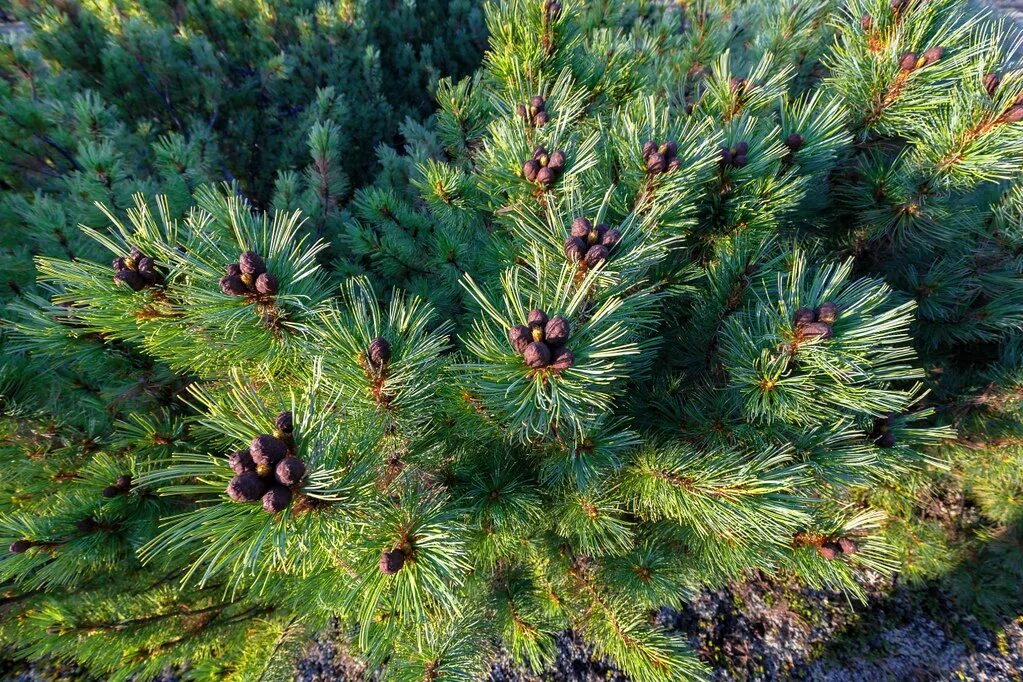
<point x="762" y="631"/>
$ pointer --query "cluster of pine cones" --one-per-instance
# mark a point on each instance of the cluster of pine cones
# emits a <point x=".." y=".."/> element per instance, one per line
<point x="248" y="277"/>
<point x="661" y="158"/>
<point x="535" y="113"/>
<point x="544" y="169"/>
<point x="816" y="324"/>
<point x="590" y="244"/>
<point x="909" y="61"/>
<point x="734" y="157"/>
<point x="832" y="549"/>
<point x="136" y="270"/>
<point x="267" y="469"/>
<point x="542" y="341"/>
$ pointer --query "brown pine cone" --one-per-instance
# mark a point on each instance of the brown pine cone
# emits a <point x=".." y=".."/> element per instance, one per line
<point x="530" y="169"/>
<point x="649" y="148"/>
<point x="233" y="286"/>
<point x="241" y="461"/>
<point x="562" y="359"/>
<point x="290" y="470"/>
<point x="246" y="487"/>
<point x="611" y="238"/>
<point x="991" y="82"/>
<point x="285" y="422"/>
<point x="546" y="176"/>
<point x="265" y="449"/>
<point x="794" y="142"/>
<point x="276" y="499"/>
<point x="123" y="482"/>
<point x="596" y="254"/>
<point x="541" y="119"/>
<point x="537" y="355"/>
<point x="536" y="316"/>
<point x="907" y="62"/>
<point x="829" y="550"/>
<point x="20" y="546"/>
<point x="848" y="546"/>
<point x="575" y="249"/>
<point x="803" y="316"/>
<point x="581" y="227"/>
<point x="827" y="312"/>
<point x="814" y="330"/>
<point x="557" y="160"/>
<point x="655" y="163"/>
<point x="556" y="331"/>
<point x="391" y="562"/>
<point x="520" y="337"/>
<point x="251" y="264"/>
<point x="932" y="55"/>
<point x="379" y="352"/>
<point x="266" y="284"/>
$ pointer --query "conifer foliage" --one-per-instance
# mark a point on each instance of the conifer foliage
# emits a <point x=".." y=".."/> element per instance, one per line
<point x="658" y="298"/>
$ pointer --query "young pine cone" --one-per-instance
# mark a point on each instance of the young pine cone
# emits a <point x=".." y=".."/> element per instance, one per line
<point x="267" y="450"/>
<point x="814" y="330"/>
<point x="266" y="284"/>
<point x="289" y="471"/>
<point x="575" y="249"/>
<point x="794" y="142"/>
<point x="829" y="550"/>
<point x="581" y="227"/>
<point x="285" y="423"/>
<point x="562" y="359"/>
<point x="596" y="254"/>
<point x="20" y="546"/>
<point x="537" y="355"/>
<point x="241" y="461"/>
<point x="520" y="336"/>
<point x="251" y="264"/>
<point x="276" y="499"/>
<point x="246" y="487"/>
<point x="536" y="316"/>
<point x="379" y="352"/>
<point x="556" y="331"/>
<point x="827" y="313"/>
<point x="232" y="285"/>
<point x="391" y="562"/>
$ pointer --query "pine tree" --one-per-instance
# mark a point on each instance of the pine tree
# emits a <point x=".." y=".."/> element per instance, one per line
<point x="658" y="298"/>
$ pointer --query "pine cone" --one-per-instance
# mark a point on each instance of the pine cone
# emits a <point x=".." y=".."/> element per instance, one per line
<point x="741" y="148"/>
<point x="655" y="163"/>
<point x="562" y="359"/>
<point x="290" y="470"/>
<point x="536" y="316"/>
<point x="118" y="264"/>
<point x="537" y="355"/>
<point x="991" y="82"/>
<point x="285" y="422"/>
<point x="538" y="103"/>
<point x="233" y="286"/>
<point x="546" y="176"/>
<point x="131" y="278"/>
<point x="794" y="142"/>
<point x="123" y="482"/>
<point x="251" y="264"/>
<point x="611" y="238"/>
<point x="379" y="352"/>
<point x="147" y="268"/>
<point x="521" y="112"/>
<point x="392" y="562"/>
<point x="827" y="312"/>
<point x="932" y="55"/>
<point x="866" y="21"/>
<point x="581" y="227"/>
<point x="266" y="284"/>
<point x="668" y="150"/>
<point x="520" y="337"/>
<point x="540" y="153"/>
<point x="803" y="316"/>
<point x="86" y="526"/>
<point x="530" y="169"/>
<point x="233" y="270"/>
<point x="276" y="499"/>
<point x="887" y="440"/>
<point x="674" y="165"/>
<point x="829" y="550"/>
<point x="556" y="331"/>
<point x="1013" y="115"/>
<point x="241" y="461"/>
<point x="20" y="546"/>
<point x="649" y="147"/>
<point x="575" y="249"/>
<point x="557" y="160"/>
<point x="541" y="119"/>
<point x="111" y="491"/>
<point x="814" y="330"/>
<point x="848" y="546"/>
<point x="725" y="156"/>
<point x="596" y="254"/>
<point x="265" y="449"/>
<point x="246" y="487"/>
<point x="907" y="62"/>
